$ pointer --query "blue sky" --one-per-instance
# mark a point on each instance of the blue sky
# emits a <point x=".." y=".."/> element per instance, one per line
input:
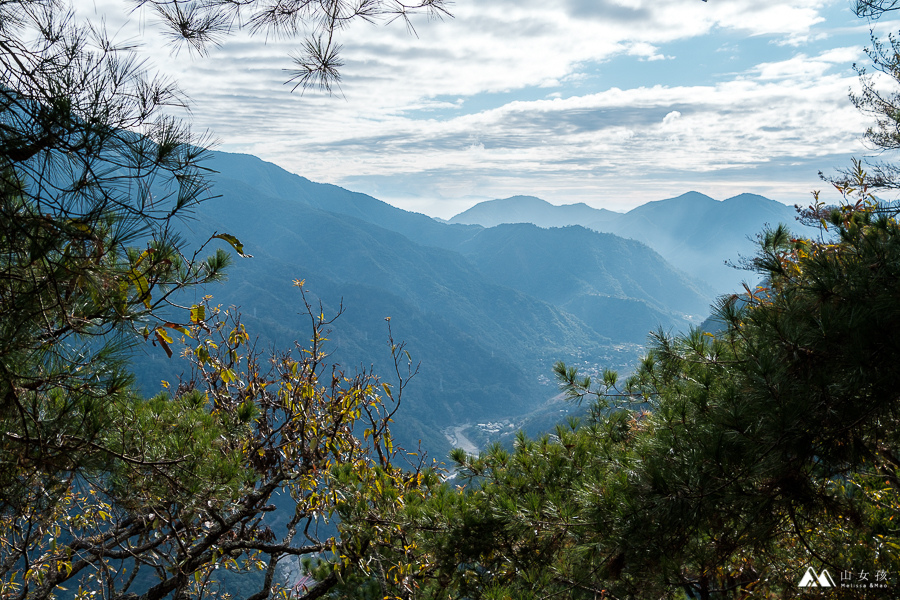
<point x="609" y="102"/>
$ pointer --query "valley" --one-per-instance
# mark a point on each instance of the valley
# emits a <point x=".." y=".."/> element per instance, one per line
<point x="484" y="311"/>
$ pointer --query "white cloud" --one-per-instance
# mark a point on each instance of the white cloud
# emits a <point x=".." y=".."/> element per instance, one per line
<point x="775" y="115"/>
<point x="805" y="67"/>
<point x="647" y="52"/>
<point x="437" y="107"/>
<point x="671" y="118"/>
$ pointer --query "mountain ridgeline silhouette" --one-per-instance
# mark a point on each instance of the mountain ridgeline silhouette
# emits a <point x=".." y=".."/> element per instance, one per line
<point x="695" y="233"/>
<point x="486" y="310"/>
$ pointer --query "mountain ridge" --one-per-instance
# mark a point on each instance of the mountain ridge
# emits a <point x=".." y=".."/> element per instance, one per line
<point x="486" y="347"/>
<point x="487" y="310"/>
<point x="695" y="232"/>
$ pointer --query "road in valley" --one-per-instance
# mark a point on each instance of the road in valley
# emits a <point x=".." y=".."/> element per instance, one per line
<point x="458" y="439"/>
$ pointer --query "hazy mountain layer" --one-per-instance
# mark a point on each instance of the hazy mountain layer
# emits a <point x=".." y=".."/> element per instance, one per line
<point x="619" y="287"/>
<point x="528" y="209"/>
<point x="694" y="232"/>
<point x="558" y="264"/>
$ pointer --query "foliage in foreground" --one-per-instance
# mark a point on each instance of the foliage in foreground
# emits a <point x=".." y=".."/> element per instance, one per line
<point x="727" y="465"/>
<point x="191" y="479"/>
<point x="104" y="492"/>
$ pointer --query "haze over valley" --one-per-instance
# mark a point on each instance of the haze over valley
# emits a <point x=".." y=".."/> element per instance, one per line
<point x="486" y="302"/>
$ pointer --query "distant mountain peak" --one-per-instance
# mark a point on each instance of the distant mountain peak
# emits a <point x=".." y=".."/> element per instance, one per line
<point x="691" y="197"/>
<point x="747" y="197"/>
<point x="521" y="198"/>
<point x="530" y="209"/>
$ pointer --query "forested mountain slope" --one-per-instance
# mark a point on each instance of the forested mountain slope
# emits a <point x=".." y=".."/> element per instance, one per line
<point x="482" y="345"/>
<point x="273" y="181"/>
<point x="486" y="311"/>
<point x="620" y="287"/>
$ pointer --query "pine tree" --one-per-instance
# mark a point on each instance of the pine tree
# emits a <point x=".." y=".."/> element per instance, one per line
<point x="102" y="490"/>
<point x="732" y="461"/>
<point x="727" y="465"/>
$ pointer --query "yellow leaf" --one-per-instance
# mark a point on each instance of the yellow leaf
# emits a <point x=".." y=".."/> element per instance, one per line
<point x="141" y="285"/>
<point x="198" y="313"/>
<point x="164" y="340"/>
<point x="143" y="255"/>
<point x="179" y="328"/>
<point x="235" y="243"/>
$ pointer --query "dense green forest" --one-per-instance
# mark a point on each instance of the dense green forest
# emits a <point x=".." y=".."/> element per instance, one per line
<point x="755" y="458"/>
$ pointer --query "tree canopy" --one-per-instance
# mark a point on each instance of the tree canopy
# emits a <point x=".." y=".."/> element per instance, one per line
<point x="743" y="460"/>
<point x="92" y="176"/>
<point x="728" y="464"/>
<point x="103" y="491"/>
<point x="181" y="497"/>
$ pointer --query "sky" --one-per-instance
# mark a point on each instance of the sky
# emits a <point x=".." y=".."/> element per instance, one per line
<point x="609" y="102"/>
